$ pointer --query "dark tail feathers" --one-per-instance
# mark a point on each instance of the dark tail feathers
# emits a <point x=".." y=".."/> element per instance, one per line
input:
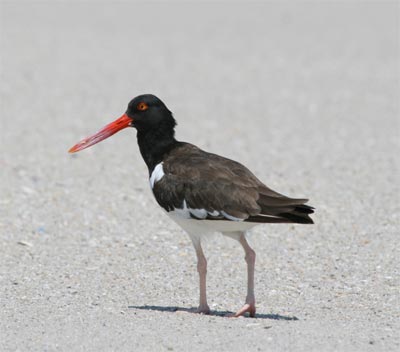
<point x="284" y="209"/>
<point x="300" y="214"/>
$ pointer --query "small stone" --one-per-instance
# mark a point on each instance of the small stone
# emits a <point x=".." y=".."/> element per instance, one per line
<point x="25" y="243"/>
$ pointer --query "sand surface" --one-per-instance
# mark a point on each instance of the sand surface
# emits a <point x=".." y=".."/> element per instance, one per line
<point x="304" y="94"/>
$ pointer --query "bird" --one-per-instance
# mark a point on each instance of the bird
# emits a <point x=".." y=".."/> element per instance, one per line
<point x="202" y="192"/>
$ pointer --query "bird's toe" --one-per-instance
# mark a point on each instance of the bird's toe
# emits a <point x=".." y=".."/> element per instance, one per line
<point x="247" y="308"/>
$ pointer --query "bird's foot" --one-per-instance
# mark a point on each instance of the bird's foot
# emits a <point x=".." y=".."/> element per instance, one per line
<point x="249" y="307"/>
<point x="203" y="309"/>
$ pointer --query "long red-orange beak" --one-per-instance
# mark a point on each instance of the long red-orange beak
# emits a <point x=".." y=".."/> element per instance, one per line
<point x="107" y="131"/>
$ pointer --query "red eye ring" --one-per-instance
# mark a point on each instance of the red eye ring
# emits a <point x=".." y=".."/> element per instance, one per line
<point x="142" y="106"/>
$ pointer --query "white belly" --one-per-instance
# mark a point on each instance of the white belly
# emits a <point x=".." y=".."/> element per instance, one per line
<point x="207" y="227"/>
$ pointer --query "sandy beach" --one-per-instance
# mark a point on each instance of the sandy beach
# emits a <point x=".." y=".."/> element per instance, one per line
<point x="304" y="94"/>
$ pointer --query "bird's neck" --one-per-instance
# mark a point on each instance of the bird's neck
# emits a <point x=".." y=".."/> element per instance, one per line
<point x="154" y="145"/>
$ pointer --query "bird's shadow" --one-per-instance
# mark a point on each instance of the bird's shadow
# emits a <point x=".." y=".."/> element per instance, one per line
<point x="218" y="313"/>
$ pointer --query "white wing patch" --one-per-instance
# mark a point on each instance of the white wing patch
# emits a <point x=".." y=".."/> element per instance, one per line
<point x="185" y="213"/>
<point x="214" y="213"/>
<point x="230" y="217"/>
<point x="157" y="174"/>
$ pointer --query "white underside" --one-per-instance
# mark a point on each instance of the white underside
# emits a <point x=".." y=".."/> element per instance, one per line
<point x="199" y="229"/>
<point x="200" y="226"/>
<point x="204" y="227"/>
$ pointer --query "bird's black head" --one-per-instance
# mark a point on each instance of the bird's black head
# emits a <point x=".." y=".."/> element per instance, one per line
<point x="148" y="113"/>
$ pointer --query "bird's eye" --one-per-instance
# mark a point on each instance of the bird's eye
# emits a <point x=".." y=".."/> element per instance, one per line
<point x="142" y="106"/>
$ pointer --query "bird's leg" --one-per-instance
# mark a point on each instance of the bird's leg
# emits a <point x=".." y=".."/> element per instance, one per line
<point x="202" y="269"/>
<point x="250" y="257"/>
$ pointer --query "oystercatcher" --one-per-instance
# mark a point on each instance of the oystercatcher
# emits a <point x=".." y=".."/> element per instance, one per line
<point x="201" y="191"/>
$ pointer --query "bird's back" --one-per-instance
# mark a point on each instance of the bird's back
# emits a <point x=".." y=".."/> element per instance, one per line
<point x="216" y="188"/>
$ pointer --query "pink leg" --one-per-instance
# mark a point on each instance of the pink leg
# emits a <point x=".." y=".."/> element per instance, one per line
<point x="250" y="257"/>
<point x="202" y="269"/>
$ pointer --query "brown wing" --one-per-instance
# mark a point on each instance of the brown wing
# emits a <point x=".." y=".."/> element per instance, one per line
<point x="224" y="188"/>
